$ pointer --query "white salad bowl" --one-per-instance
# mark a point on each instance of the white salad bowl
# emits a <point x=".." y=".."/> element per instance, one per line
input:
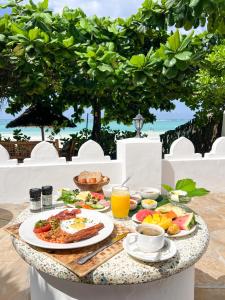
<point x="149" y="193"/>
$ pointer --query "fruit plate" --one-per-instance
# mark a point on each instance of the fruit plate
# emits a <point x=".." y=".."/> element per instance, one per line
<point x="182" y="233"/>
<point x="26" y="229"/>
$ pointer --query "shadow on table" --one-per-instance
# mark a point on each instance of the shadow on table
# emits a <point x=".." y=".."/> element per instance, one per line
<point x="5" y="217"/>
<point x="10" y="290"/>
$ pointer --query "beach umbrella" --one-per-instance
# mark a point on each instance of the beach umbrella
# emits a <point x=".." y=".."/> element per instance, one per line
<point x="40" y="116"/>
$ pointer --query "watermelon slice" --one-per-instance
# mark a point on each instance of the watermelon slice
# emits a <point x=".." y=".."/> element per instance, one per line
<point x="185" y="222"/>
<point x="140" y="216"/>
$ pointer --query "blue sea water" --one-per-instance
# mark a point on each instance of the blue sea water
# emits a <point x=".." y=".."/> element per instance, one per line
<point x="157" y="126"/>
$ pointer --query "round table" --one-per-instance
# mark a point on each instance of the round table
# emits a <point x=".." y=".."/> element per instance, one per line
<point x="121" y="277"/>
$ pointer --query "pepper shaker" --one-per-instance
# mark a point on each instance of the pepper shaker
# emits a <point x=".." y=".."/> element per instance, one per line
<point x="47" y="196"/>
<point x="35" y="200"/>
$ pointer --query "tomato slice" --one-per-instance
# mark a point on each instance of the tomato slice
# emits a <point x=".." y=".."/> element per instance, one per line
<point x="43" y="228"/>
<point x="97" y="196"/>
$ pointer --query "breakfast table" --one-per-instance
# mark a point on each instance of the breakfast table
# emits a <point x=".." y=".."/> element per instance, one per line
<point x="120" y="277"/>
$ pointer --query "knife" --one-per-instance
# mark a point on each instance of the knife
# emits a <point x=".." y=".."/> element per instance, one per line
<point x="84" y="259"/>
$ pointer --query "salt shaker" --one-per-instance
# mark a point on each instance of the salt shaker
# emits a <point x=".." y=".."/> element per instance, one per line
<point x="35" y="200"/>
<point x="47" y="196"/>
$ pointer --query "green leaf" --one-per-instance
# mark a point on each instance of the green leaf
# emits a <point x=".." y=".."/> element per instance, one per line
<point x="139" y="78"/>
<point x="33" y="33"/>
<point x="186" y="41"/>
<point x="68" y="42"/>
<point x="105" y="68"/>
<point x="18" y="30"/>
<point x="43" y="5"/>
<point x="18" y="50"/>
<point x="186" y="55"/>
<point x="44" y="36"/>
<point x="2" y="37"/>
<point x="198" y="192"/>
<point x="186" y="185"/>
<point x="170" y="3"/>
<point x="170" y="62"/>
<point x="167" y="187"/>
<point x="174" y="41"/>
<point x="91" y="53"/>
<point x="148" y="4"/>
<point x="138" y="60"/>
<point x="193" y="3"/>
<point x="169" y="72"/>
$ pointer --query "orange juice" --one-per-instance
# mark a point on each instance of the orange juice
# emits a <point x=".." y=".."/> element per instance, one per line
<point x="120" y="202"/>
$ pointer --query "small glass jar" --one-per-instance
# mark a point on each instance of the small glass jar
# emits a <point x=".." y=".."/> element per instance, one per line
<point x="35" y="200"/>
<point x="47" y="196"/>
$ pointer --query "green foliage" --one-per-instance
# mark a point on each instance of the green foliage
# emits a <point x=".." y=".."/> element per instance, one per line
<point x="108" y="141"/>
<point x="209" y="86"/>
<point x="119" y="66"/>
<point x="19" y="136"/>
<point x="195" y="13"/>
<point x="188" y="185"/>
<point x="167" y="187"/>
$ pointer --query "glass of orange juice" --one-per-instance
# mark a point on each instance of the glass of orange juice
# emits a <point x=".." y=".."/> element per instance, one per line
<point x="120" y="202"/>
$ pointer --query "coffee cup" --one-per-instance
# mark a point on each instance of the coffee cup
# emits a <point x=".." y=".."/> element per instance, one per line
<point x="149" y="237"/>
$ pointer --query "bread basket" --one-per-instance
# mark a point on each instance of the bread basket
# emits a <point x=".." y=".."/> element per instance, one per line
<point x="92" y="187"/>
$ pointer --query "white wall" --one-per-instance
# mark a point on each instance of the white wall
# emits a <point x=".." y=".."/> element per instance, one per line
<point x="140" y="158"/>
<point x="183" y="162"/>
<point x="209" y="174"/>
<point x="16" y="181"/>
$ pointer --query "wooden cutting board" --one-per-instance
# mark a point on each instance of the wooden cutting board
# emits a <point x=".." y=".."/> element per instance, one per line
<point x="68" y="257"/>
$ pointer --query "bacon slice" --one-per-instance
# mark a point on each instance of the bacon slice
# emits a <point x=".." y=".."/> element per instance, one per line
<point x="83" y="234"/>
<point x="66" y="214"/>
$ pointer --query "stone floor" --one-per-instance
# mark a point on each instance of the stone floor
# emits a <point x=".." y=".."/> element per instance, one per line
<point x="210" y="270"/>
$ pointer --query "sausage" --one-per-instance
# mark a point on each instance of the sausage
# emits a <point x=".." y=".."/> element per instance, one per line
<point x="83" y="234"/>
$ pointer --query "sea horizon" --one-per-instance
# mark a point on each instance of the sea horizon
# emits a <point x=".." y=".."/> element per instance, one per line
<point x="158" y="127"/>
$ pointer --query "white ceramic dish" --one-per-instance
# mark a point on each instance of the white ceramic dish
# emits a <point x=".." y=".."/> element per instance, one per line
<point x="133" y="204"/>
<point x="167" y="252"/>
<point x="149" y="206"/>
<point x="149" y="193"/>
<point x="26" y="230"/>
<point x="136" y="196"/>
<point x="182" y="233"/>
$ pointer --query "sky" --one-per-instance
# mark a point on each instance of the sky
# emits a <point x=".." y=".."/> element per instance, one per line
<point x="112" y="8"/>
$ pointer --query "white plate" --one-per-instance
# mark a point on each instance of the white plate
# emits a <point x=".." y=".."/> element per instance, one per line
<point x="96" y="209"/>
<point x="167" y="252"/>
<point x="182" y="233"/>
<point x="135" y="219"/>
<point x="27" y="234"/>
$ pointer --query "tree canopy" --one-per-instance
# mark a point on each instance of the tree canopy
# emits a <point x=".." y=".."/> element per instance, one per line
<point x="116" y="65"/>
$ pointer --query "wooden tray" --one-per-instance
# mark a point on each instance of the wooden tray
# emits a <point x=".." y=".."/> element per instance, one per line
<point x="68" y="257"/>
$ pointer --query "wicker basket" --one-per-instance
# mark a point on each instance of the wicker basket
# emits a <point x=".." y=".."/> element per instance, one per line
<point x="92" y="187"/>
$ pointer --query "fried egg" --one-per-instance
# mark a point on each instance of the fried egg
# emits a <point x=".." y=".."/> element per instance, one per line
<point x="73" y="225"/>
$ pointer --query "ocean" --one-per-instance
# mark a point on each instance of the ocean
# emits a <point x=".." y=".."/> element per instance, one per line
<point x="155" y="128"/>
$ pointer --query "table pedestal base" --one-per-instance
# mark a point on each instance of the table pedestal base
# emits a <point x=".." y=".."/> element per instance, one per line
<point x="176" y="287"/>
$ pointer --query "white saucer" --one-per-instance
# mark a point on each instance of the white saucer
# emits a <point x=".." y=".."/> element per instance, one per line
<point x="167" y="252"/>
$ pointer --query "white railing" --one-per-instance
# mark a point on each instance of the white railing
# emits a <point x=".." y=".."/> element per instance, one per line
<point x="139" y="158"/>
<point x="183" y="162"/>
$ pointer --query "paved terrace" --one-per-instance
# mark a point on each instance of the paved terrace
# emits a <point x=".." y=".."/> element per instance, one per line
<point x="210" y="270"/>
